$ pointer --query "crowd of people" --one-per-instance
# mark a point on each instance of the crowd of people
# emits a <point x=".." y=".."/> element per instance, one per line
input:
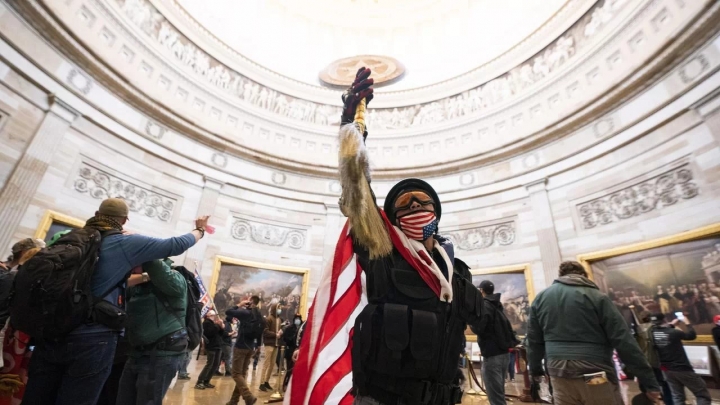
<point x="700" y="300"/>
<point x="112" y="320"/>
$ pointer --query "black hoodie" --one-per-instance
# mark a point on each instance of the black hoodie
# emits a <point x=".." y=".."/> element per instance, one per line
<point x="487" y="338"/>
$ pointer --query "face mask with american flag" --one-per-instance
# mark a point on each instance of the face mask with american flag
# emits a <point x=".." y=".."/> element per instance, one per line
<point x="418" y="225"/>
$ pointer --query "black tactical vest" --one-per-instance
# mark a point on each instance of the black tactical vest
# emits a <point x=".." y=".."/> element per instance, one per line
<point x="406" y="341"/>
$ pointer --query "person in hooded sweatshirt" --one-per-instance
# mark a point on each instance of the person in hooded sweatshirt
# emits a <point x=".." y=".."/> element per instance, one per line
<point x="493" y="347"/>
<point x="575" y="328"/>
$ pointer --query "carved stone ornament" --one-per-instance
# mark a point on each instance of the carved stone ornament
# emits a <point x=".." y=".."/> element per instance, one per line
<point x="512" y="84"/>
<point x="652" y="194"/>
<point x="79" y="81"/>
<point x="155" y="130"/>
<point x="342" y="72"/>
<point x="268" y="234"/>
<point x="484" y="236"/>
<point x="101" y="185"/>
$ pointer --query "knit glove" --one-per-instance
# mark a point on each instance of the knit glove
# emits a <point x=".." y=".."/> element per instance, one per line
<point x="360" y="88"/>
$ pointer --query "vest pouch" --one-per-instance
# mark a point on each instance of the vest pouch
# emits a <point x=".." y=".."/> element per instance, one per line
<point x="396" y="337"/>
<point x="424" y="342"/>
<point x="362" y="342"/>
<point x="409" y="283"/>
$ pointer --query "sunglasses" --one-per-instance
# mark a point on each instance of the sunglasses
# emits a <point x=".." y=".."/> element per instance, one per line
<point x="406" y="200"/>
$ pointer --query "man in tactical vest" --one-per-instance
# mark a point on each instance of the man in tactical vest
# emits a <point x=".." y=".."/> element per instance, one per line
<point x="407" y="340"/>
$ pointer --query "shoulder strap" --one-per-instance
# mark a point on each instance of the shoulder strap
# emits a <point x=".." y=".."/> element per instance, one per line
<point x="166" y="304"/>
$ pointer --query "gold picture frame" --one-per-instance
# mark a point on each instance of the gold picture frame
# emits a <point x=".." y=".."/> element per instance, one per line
<point x="713" y="230"/>
<point x="524" y="269"/>
<point x="304" y="272"/>
<point x="50" y="217"/>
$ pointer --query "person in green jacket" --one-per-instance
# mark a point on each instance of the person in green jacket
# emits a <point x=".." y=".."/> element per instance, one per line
<point x="156" y="332"/>
<point x="575" y="328"/>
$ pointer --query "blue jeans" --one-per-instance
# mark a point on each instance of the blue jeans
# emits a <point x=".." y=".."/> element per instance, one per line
<point x="493" y="374"/>
<point x="70" y="372"/>
<point x="511" y="365"/>
<point x="184" y="362"/>
<point x="136" y="385"/>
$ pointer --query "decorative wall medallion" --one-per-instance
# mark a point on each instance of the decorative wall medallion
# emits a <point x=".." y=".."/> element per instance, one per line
<point x="342" y="72"/>
<point x="279" y="178"/>
<point x="603" y="127"/>
<point x="335" y="187"/>
<point x="154" y="130"/>
<point x="101" y="185"/>
<point x="79" y="81"/>
<point x="268" y="234"/>
<point x="694" y="68"/>
<point x="467" y="179"/>
<point x="219" y="160"/>
<point x="483" y="236"/>
<point x="531" y="160"/>
<point x="652" y="194"/>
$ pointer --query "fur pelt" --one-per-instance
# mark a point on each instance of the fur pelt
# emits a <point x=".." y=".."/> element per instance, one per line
<point x="357" y="201"/>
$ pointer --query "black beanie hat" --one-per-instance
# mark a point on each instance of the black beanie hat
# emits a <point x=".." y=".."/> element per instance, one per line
<point x="405" y="186"/>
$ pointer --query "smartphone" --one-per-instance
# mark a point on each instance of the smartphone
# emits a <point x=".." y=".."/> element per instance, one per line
<point x="680" y="316"/>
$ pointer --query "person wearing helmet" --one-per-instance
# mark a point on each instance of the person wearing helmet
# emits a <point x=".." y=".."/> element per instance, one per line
<point x="407" y="339"/>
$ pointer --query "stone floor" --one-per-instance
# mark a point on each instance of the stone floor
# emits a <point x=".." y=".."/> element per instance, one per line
<point x="183" y="392"/>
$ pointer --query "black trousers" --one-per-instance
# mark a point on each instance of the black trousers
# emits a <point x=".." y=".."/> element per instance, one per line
<point x="213" y="362"/>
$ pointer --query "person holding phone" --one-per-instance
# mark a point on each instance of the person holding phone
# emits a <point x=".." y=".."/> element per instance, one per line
<point x="674" y="362"/>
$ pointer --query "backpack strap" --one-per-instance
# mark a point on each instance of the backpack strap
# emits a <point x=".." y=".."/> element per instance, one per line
<point x="166" y="304"/>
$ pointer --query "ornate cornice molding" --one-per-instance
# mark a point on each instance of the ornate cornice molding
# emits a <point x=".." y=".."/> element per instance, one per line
<point x="667" y="60"/>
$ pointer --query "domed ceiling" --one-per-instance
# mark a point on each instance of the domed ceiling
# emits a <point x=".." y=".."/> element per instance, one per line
<point x="435" y="40"/>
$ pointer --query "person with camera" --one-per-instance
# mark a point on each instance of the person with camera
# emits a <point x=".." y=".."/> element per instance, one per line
<point x="674" y="363"/>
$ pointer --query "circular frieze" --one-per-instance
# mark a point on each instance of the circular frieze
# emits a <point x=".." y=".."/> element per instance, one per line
<point x="342" y="72"/>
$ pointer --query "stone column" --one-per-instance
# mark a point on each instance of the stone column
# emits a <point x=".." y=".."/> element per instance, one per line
<point x="545" y="228"/>
<point x="30" y="169"/>
<point x="208" y="202"/>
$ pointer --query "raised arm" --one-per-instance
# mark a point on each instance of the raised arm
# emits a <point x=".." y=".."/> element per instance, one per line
<point x="140" y="249"/>
<point x="358" y="201"/>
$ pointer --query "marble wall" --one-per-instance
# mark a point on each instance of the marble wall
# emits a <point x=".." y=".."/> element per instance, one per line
<point x="647" y="167"/>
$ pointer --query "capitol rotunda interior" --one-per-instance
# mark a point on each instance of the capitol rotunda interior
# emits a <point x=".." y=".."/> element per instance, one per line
<point x="551" y="130"/>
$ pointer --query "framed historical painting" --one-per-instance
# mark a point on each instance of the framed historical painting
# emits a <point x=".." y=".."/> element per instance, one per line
<point x="54" y="222"/>
<point x="235" y="279"/>
<point x="514" y="283"/>
<point x="679" y="273"/>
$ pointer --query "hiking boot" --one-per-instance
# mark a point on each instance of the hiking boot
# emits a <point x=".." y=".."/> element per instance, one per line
<point x="265" y="387"/>
<point x="183" y="376"/>
<point x="208" y="385"/>
<point x="251" y="401"/>
<point x="199" y="386"/>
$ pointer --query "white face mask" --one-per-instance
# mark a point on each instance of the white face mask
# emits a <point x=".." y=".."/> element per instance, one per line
<point x="279" y="311"/>
<point x="297" y="322"/>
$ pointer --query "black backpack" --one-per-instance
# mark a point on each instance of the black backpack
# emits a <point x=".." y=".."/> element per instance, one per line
<point x="193" y="314"/>
<point x="254" y="327"/>
<point x="51" y="293"/>
<point x="503" y="332"/>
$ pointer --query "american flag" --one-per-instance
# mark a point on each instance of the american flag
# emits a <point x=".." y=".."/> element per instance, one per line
<point x="204" y="296"/>
<point x="323" y="372"/>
